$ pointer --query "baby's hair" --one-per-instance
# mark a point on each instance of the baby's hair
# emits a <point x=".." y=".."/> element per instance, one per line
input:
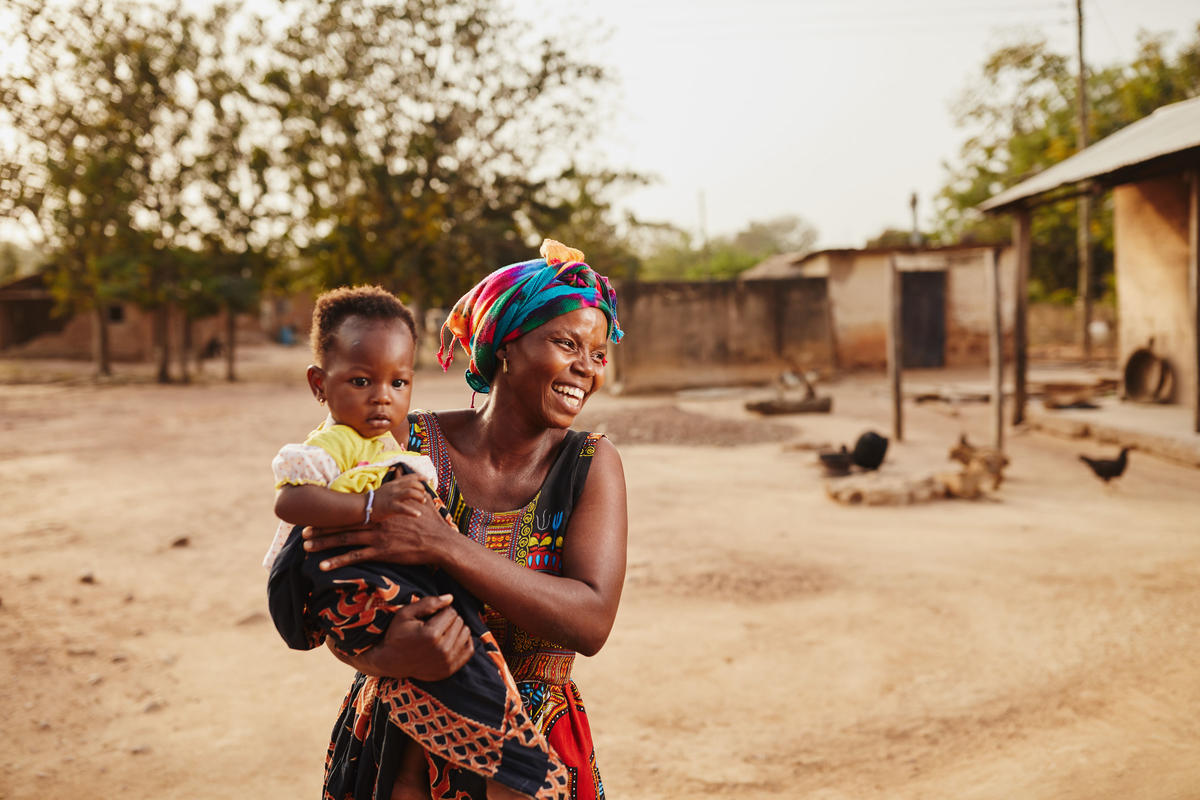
<point x="369" y="302"/>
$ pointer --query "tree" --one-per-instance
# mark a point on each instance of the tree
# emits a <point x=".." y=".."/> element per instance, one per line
<point x="425" y="139"/>
<point x="1022" y="113"/>
<point x="94" y="110"/>
<point x="671" y="254"/>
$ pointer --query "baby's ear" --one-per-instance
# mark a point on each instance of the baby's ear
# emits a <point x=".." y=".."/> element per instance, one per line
<point x="316" y="382"/>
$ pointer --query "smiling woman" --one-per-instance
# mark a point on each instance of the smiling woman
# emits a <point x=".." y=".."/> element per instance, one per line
<point x="546" y="503"/>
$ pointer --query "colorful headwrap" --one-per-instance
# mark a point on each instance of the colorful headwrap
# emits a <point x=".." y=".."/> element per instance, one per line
<point x="515" y="299"/>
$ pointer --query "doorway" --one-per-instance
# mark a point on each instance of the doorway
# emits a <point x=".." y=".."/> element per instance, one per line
<point x="923" y="318"/>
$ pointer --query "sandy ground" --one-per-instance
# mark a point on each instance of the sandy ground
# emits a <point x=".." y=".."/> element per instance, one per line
<point x="770" y="643"/>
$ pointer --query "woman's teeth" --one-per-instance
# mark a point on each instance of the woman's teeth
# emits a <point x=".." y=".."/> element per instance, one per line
<point x="573" y="392"/>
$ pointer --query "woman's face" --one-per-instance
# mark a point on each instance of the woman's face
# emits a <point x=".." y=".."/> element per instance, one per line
<point x="554" y="368"/>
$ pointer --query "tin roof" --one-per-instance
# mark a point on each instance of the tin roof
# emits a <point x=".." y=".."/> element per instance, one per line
<point x="1168" y="130"/>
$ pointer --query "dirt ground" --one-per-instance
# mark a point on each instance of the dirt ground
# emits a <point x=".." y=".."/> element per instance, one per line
<point x="1038" y="644"/>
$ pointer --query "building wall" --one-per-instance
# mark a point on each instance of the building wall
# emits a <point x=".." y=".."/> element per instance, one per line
<point x="969" y="305"/>
<point x="858" y="297"/>
<point x="681" y="335"/>
<point x="131" y="339"/>
<point x="1151" y="251"/>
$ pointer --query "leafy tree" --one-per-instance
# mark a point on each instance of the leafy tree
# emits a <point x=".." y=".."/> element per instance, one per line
<point x="891" y="237"/>
<point x="241" y="175"/>
<point x="425" y="139"/>
<point x="94" y="108"/>
<point x="671" y="254"/>
<point x="1022" y="113"/>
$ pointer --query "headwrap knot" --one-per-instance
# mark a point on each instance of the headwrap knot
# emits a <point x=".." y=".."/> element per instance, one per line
<point x="515" y="299"/>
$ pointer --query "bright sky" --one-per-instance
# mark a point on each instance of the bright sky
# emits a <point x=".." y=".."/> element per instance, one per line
<point x="836" y="110"/>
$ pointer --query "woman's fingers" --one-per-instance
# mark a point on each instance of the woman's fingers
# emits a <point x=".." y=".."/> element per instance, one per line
<point x="351" y="557"/>
<point x="461" y="648"/>
<point x="425" y="607"/>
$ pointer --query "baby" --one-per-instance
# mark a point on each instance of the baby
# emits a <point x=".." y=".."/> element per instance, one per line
<point x="352" y="471"/>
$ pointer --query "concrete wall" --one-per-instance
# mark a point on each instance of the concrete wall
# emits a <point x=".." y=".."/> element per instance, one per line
<point x="858" y="299"/>
<point x="1151" y="250"/>
<point x="681" y="335"/>
<point x="969" y="305"/>
<point x="130" y="339"/>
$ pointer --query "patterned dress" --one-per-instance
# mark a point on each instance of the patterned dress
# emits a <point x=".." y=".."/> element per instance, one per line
<point x="470" y="725"/>
<point x="533" y="536"/>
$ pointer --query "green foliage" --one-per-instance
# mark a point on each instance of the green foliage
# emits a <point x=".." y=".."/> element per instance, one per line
<point x="672" y="255"/>
<point x="429" y="142"/>
<point x="1022" y="114"/>
<point x="891" y="237"/>
<point x="191" y="161"/>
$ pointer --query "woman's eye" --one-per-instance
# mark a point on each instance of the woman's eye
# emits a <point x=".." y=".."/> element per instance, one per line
<point x="359" y="381"/>
<point x="566" y="343"/>
<point x="599" y="358"/>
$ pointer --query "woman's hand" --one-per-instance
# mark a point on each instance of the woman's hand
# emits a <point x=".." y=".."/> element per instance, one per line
<point x="426" y="639"/>
<point x="399" y="539"/>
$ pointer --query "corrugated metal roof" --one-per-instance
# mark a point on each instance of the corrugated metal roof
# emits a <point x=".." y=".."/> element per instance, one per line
<point x="1169" y="129"/>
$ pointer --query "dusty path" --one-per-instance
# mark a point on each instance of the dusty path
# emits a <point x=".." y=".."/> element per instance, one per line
<point x="770" y="643"/>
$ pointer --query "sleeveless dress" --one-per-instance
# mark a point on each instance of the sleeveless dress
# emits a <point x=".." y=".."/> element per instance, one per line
<point x="532" y="535"/>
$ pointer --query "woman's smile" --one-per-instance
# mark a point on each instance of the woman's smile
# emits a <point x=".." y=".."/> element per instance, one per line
<point x="572" y="395"/>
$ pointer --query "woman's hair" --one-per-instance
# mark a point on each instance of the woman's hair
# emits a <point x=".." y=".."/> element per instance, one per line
<point x="369" y="302"/>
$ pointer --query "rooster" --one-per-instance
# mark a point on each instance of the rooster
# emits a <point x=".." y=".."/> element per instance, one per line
<point x="980" y="459"/>
<point x="1108" y="468"/>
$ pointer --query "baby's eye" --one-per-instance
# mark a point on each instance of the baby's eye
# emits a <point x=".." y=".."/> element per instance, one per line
<point x="399" y="383"/>
<point x="360" y="382"/>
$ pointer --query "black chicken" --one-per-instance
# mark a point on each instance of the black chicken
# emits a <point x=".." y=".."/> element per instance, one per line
<point x="869" y="450"/>
<point x="1108" y="468"/>
<point x="836" y="462"/>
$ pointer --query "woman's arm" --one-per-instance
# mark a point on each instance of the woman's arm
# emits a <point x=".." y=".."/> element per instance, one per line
<point x="575" y="610"/>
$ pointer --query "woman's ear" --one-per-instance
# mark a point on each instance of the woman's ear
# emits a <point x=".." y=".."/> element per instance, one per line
<point x="316" y="382"/>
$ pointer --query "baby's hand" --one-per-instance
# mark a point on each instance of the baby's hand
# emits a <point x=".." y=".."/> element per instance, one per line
<point x="404" y="495"/>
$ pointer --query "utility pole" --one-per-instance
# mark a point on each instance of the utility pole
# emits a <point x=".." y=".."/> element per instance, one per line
<point x="704" y="233"/>
<point x="914" y="238"/>
<point x="1083" y="303"/>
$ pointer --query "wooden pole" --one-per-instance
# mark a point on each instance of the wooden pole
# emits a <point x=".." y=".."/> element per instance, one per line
<point x="1194" y="286"/>
<point x="997" y="351"/>
<point x="895" y="349"/>
<point x="1084" y="207"/>
<point x="1022" y="244"/>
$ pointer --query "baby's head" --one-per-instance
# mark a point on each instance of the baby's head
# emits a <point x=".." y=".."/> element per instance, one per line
<point x="364" y="341"/>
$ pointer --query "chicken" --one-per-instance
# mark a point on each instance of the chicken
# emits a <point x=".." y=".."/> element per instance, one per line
<point x="1108" y="468"/>
<point x="869" y="450"/>
<point x="836" y="462"/>
<point x="980" y="459"/>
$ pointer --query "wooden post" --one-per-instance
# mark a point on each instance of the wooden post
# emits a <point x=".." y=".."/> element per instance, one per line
<point x="895" y="350"/>
<point x="1022" y="244"/>
<point x="997" y="351"/>
<point x="1194" y="286"/>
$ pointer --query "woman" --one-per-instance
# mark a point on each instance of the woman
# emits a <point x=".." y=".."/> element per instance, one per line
<point x="547" y="503"/>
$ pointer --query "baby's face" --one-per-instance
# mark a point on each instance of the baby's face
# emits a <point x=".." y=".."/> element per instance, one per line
<point x="368" y="376"/>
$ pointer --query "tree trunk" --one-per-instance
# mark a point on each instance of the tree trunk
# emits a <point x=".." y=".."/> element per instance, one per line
<point x="186" y="351"/>
<point x="162" y="342"/>
<point x="230" y="336"/>
<point x="100" y="340"/>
